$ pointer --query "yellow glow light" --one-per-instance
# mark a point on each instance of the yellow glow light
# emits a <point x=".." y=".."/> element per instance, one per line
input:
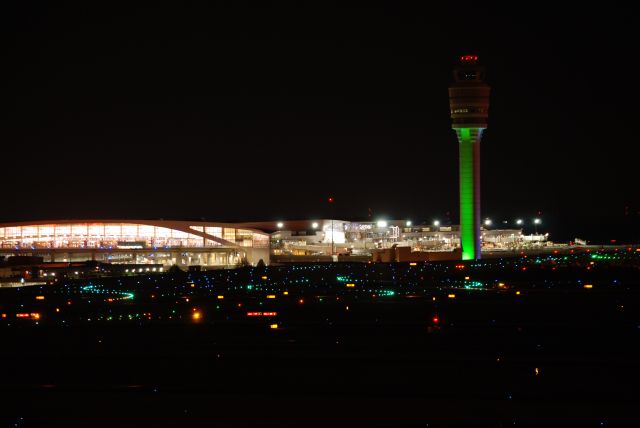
<point x="273" y="326"/>
<point x="286" y="293"/>
<point x="220" y="297"/>
<point x="466" y="278"/>
<point x="351" y="285"/>
<point x="271" y="296"/>
<point x="588" y="286"/>
<point x="413" y="264"/>
<point x="196" y="316"/>
<point x="518" y="293"/>
<point x="451" y="296"/>
<point x="39" y="297"/>
<point x="192" y="285"/>
<point x="263" y="277"/>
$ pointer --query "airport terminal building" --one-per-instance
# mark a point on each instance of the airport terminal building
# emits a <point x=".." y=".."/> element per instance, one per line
<point x="156" y="242"/>
<point x="211" y="245"/>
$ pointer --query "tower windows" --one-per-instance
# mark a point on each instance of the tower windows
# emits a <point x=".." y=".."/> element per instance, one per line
<point x="468" y="110"/>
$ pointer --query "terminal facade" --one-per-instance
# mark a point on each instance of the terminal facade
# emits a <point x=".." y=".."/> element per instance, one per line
<point x="157" y="242"/>
<point x="213" y="245"/>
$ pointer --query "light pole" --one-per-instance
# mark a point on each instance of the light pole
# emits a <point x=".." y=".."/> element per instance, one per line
<point x="382" y="224"/>
<point x="330" y="200"/>
<point x="536" y="222"/>
<point x="332" y="250"/>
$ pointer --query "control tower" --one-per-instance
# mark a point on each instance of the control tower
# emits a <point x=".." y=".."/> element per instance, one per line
<point x="469" y="101"/>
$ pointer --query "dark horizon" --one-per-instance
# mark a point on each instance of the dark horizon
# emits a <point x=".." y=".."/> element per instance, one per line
<point x="241" y="114"/>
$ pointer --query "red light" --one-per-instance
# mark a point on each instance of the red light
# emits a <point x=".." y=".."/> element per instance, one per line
<point x="435" y="319"/>
<point x="330" y="199"/>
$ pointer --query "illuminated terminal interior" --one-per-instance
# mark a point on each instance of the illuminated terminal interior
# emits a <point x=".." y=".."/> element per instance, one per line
<point x="140" y="242"/>
<point x="215" y="245"/>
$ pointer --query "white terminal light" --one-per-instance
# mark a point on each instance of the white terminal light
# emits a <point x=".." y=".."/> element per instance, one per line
<point x="280" y="225"/>
<point x="408" y="223"/>
<point x="537" y="221"/>
<point x="436" y="223"/>
<point x="314" y="224"/>
<point x="487" y="222"/>
<point x="519" y="221"/>
<point x="381" y="223"/>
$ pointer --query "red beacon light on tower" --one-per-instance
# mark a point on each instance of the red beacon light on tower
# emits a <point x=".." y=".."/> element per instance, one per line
<point x="469" y="59"/>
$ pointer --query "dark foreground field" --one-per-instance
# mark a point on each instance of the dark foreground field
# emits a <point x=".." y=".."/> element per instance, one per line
<point x="549" y="356"/>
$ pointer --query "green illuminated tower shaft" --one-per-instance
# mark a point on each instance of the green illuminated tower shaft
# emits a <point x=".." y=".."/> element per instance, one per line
<point x="469" y="101"/>
<point x="469" y="147"/>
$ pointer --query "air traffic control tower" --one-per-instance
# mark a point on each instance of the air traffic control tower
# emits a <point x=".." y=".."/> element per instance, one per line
<point x="469" y="101"/>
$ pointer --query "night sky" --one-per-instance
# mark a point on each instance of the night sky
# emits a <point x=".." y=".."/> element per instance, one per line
<point x="235" y="113"/>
